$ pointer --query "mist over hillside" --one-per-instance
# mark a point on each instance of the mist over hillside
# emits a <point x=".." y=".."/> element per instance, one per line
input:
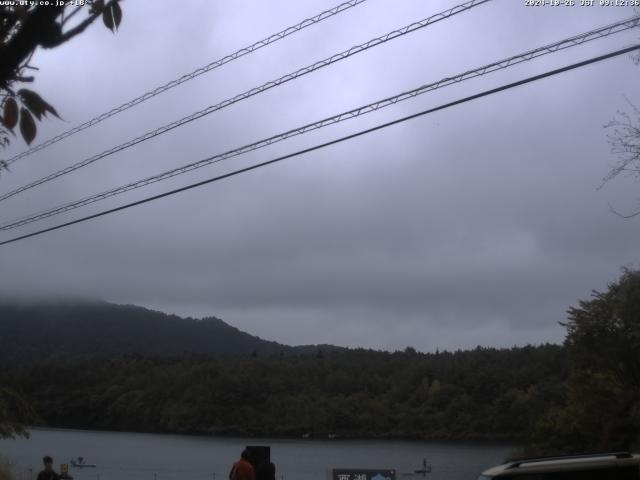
<point x="49" y="330"/>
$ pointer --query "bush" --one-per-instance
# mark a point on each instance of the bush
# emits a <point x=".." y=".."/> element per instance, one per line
<point x="7" y="470"/>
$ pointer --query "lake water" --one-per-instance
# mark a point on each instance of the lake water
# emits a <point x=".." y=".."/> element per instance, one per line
<point x="136" y="456"/>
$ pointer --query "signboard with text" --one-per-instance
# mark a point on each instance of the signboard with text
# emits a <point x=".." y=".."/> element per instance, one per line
<point x="362" y="474"/>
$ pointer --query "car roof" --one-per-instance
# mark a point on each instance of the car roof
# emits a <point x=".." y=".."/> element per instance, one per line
<point x="568" y="462"/>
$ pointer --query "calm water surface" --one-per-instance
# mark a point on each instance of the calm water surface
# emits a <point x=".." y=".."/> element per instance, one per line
<point x="136" y="456"/>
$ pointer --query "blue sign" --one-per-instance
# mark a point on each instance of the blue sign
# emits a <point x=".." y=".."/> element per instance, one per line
<point x="362" y="474"/>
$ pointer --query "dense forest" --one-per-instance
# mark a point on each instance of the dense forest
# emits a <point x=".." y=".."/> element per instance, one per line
<point x="581" y="396"/>
<point x="77" y="330"/>
<point x="483" y="393"/>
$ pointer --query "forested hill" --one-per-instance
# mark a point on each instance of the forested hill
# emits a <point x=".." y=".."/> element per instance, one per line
<point x="475" y="394"/>
<point x="77" y="330"/>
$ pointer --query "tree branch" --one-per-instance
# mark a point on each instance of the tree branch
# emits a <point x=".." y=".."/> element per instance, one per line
<point x="631" y="215"/>
<point x="37" y="28"/>
<point x="71" y="15"/>
<point x="81" y="26"/>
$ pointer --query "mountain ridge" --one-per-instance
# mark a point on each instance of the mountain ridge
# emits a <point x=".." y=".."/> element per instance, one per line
<point x="73" y="329"/>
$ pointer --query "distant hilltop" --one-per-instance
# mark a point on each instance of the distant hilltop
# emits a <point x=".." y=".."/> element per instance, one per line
<point x="82" y="329"/>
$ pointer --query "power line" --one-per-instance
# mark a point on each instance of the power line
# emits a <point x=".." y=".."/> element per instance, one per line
<point x="255" y="91"/>
<point x="331" y="142"/>
<point x="189" y="76"/>
<point x="362" y="110"/>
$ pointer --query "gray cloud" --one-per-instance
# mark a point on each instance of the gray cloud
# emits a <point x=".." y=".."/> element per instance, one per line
<point x="480" y="224"/>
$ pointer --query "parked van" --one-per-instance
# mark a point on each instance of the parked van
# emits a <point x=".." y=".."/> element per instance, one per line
<point x="598" y="466"/>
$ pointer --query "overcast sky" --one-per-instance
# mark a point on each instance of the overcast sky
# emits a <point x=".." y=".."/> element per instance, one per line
<point x="480" y="224"/>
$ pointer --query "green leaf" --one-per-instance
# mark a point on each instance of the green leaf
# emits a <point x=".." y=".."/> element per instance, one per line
<point x="112" y="16"/>
<point x="10" y="115"/>
<point x="27" y="126"/>
<point x="117" y="14"/>
<point x="107" y="18"/>
<point x="36" y="103"/>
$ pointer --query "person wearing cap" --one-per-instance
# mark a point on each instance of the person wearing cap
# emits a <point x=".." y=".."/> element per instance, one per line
<point x="242" y="469"/>
<point x="48" y="473"/>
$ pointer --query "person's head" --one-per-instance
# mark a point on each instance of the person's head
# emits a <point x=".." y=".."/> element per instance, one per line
<point x="48" y="462"/>
<point x="246" y="454"/>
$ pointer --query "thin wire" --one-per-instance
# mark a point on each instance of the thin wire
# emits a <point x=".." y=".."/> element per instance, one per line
<point x="189" y="76"/>
<point x="331" y="142"/>
<point x="254" y="91"/>
<point x="371" y="107"/>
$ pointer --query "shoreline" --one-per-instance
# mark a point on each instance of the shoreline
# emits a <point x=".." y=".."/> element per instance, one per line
<point x="472" y="441"/>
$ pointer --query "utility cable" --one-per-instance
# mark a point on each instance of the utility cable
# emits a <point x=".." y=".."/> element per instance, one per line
<point x="356" y="112"/>
<point x="252" y="92"/>
<point x="189" y="76"/>
<point x="329" y="143"/>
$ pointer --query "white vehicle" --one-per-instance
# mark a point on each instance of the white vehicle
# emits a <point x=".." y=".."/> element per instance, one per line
<point x="599" y="466"/>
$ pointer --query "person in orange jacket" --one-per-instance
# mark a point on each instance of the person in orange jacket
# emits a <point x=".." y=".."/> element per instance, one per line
<point x="242" y="469"/>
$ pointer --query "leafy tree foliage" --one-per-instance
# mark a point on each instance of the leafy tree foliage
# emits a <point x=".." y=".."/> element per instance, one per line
<point x="15" y="413"/>
<point x="482" y="393"/>
<point x="603" y="392"/>
<point x="24" y="28"/>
